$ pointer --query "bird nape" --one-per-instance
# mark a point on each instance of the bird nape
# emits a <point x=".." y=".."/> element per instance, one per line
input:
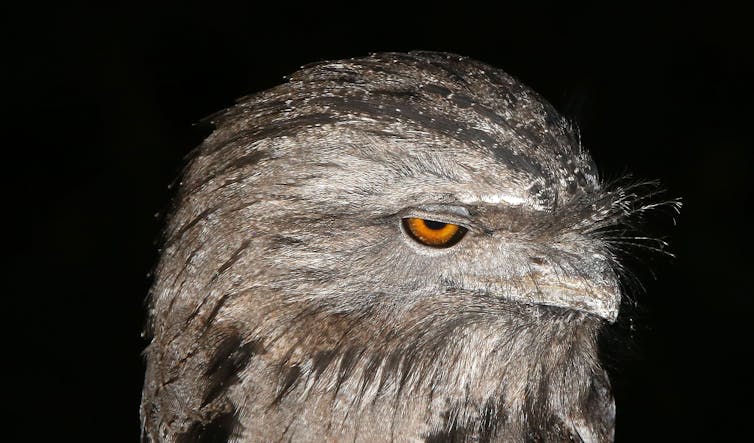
<point x="401" y="247"/>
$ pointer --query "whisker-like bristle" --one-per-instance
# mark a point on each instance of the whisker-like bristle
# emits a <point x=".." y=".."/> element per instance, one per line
<point x="621" y="214"/>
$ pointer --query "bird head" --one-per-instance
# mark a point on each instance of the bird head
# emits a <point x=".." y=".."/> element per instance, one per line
<point x="332" y="176"/>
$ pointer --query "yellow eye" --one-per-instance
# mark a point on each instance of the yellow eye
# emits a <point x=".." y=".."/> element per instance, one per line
<point x="433" y="233"/>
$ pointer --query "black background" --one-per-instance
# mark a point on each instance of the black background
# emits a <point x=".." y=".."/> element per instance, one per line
<point x="102" y="105"/>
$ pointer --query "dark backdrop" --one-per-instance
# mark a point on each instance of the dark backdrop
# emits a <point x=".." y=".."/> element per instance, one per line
<point x="103" y="105"/>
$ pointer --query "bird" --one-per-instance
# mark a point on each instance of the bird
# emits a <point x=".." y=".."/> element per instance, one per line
<point x="403" y="247"/>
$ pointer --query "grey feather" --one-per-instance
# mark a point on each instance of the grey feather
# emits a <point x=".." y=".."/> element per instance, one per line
<point x="289" y="303"/>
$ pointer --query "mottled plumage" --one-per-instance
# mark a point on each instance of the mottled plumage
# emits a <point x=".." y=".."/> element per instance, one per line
<point x="291" y="305"/>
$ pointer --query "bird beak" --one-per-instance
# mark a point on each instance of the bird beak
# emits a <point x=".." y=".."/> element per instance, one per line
<point x="600" y="298"/>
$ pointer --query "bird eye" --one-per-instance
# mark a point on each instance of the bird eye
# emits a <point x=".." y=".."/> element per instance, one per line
<point x="433" y="233"/>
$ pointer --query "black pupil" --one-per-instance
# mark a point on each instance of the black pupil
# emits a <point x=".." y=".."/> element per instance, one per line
<point x="434" y="225"/>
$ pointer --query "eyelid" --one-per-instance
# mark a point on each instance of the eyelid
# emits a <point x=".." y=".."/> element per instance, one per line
<point x="446" y="209"/>
<point x="457" y="215"/>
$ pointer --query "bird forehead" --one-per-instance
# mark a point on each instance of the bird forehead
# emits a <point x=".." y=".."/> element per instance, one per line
<point x="343" y="157"/>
